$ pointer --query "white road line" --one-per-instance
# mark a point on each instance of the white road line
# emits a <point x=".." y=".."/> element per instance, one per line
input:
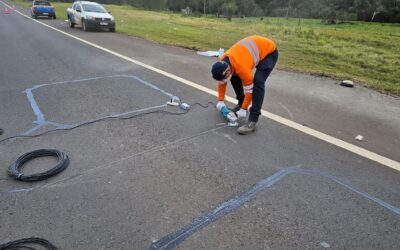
<point x="330" y="139"/>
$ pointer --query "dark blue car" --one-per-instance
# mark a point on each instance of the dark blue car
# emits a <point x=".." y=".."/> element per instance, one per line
<point x="42" y="8"/>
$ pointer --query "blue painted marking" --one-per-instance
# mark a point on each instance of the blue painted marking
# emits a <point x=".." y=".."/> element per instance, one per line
<point x="32" y="130"/>
<point x="152" y="86"/>
<point x="42" y="122"/>
<point x="344" y="183"/>
<point x="55" y="124"/>
<point x="19" y="190"/>
<point x="66" y="126"/>
<point x="172" y="240"/>
<point x="79" y="80"/>
<point x="36" y="110"/>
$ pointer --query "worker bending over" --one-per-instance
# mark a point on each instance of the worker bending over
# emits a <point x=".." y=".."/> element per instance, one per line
<point x="238" y="62"/>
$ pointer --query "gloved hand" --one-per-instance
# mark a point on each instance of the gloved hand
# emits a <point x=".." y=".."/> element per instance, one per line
<point x="242" y="113"/>
<point x="220" y="105"/>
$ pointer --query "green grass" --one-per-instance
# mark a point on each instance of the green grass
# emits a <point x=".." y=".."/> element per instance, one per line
<point x="368" y="53"/>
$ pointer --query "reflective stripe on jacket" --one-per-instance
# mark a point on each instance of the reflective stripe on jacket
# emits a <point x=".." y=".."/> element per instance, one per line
<point x="245" y="55"/>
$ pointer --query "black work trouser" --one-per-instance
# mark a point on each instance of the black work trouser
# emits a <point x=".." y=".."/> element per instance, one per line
<point x="263" y="70"/>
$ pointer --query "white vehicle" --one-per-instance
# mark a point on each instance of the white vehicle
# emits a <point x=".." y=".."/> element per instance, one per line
<point x="90" y="15"/>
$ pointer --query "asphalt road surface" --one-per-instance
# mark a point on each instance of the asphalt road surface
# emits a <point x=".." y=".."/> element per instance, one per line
<point x="186" y="181"/>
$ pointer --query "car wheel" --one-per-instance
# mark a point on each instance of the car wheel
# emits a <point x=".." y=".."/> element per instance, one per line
<point x="70" y="23"/>
<point x="112" y="29"/>
<point x="54" y="17"/>
<point x="84" y="27"/>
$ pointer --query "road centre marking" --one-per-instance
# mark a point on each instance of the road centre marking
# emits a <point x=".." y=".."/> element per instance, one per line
<point x="324" y="137"/>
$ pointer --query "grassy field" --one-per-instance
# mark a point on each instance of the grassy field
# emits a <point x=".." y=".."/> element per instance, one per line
<point x="368" y="53"/>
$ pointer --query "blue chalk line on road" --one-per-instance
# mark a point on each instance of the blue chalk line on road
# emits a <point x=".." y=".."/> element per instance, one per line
<point x="42" y="122"/>
<point x="20" y="190"/>
<point x="172" y="240"/>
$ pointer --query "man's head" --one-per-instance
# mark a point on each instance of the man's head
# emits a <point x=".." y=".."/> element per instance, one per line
<point x="221" y="71"/>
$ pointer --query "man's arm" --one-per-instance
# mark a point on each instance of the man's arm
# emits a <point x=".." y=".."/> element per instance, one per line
<point x="247" y="80"/>
<point x="247" y="98"/>
<point x="221" y="91"/>
<point x="221" y="95"/>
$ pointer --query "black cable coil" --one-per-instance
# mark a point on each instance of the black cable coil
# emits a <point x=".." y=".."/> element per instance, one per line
<point x="26" y="244"/>
<point x="14" y="169"/>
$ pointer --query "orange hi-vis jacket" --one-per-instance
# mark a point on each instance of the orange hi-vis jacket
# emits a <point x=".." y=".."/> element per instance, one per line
<point x="244" y="56"/>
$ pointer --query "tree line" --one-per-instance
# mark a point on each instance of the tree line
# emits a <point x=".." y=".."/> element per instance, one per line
<point x="332" y="11"/>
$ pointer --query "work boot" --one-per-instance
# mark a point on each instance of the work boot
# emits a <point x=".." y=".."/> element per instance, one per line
<point x="247" y="128"/>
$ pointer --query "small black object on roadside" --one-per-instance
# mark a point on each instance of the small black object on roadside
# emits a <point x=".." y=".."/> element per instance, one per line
<point x="347" y="83"/>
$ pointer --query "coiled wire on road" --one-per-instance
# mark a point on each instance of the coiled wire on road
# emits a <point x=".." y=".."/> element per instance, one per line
<point x="27" y="243"/>
<point x="14" y="170"/>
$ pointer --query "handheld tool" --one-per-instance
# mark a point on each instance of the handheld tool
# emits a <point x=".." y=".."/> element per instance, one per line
<point x="230" y="116"/>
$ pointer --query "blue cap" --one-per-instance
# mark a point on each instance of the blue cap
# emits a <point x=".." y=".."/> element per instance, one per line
<point x="218" y="70"/>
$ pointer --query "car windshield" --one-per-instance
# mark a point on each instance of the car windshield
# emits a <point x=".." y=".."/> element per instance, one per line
<point x="42" y="3"/>
<point x="93" y="8"/>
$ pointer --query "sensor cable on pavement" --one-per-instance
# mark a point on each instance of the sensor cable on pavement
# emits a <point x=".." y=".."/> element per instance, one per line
<point x="122" y="117"/>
